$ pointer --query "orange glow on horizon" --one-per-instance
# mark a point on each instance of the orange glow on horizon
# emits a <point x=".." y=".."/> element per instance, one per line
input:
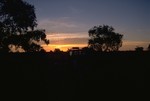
<point x="65" y="41"/>
<point x="62" y="47"/>
<point x="127" y="45"/>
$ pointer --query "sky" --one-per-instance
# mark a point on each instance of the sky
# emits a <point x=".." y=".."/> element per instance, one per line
<point x="67" y="21"/>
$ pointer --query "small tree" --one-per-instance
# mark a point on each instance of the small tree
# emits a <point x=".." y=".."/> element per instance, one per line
<point x="148" y="47"/>
<point x="139" y="49"/>
<point x="103" y="38"/>
<point x="17" y="24"/>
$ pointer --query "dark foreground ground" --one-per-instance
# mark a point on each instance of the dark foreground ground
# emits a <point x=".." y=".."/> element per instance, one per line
<point x="105" y="76"/>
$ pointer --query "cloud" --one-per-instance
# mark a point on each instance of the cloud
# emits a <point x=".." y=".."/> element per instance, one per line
<point x="82" y="38"/>
<point x="70" y="41"/>
<point x="68" y="38"/>
<point x="62" y="25"/>
<point x="67" y="35"/>
<point x="131" y="45"/>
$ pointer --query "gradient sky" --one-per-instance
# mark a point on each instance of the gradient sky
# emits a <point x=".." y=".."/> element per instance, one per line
<point x="67" y="21"/>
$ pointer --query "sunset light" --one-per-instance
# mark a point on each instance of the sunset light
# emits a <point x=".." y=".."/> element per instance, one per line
<point x="70" y="50"/>
<point x="65" y="41"/>
<point x="62" y="47"/>
<point x="68" y="24"/>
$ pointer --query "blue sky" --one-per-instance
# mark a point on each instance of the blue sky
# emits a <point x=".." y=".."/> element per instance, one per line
<point x="129" y="17"/>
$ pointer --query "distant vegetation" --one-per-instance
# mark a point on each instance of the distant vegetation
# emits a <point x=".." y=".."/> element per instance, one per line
<point x="139" y="49"/>
<point x="17" y="24"/>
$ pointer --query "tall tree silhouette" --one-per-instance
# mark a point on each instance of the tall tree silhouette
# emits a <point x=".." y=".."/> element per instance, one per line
<point x="103" y="38"/>
<point x="17" y="24"/>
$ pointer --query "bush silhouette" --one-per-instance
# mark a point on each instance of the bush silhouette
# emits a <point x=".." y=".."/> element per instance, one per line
<point x="139" y="49"/>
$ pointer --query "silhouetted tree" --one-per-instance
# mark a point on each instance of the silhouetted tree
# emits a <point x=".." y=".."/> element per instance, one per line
<point x="148" y="47"/>
<point x="87" y="50"/>
<point x="103" y="38"/>
<point x="17" y="24"/>
<point x="57" y="50"/>
<point x="139" y="49"/>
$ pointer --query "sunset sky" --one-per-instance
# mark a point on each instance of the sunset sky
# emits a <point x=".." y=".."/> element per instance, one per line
<point x="67" y="21"/>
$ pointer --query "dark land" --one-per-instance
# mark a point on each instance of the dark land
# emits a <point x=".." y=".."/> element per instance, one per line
<point x="51" y="76"/>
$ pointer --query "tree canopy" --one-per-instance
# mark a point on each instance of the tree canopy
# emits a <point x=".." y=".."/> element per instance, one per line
<point x="103" y="38"/>
<point x="17" y="27"/>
